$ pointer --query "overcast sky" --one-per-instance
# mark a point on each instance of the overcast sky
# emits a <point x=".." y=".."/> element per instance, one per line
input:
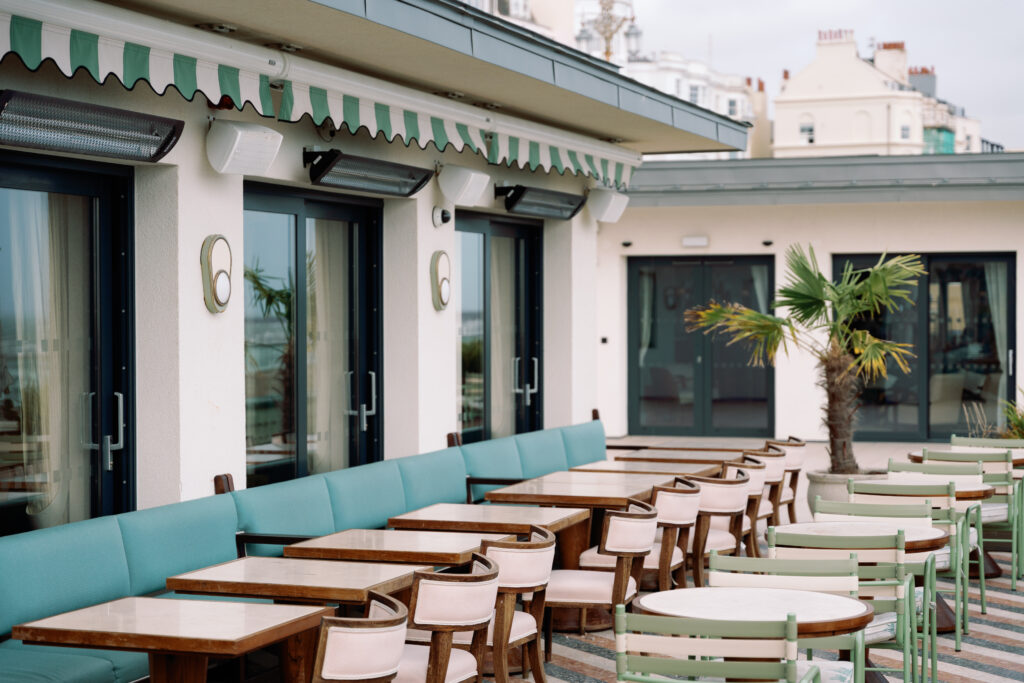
<point x="976" y="47"/>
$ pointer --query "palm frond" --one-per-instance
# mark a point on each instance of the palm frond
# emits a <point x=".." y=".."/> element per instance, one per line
<point x="887" y="283"/>
<point x="872" y="354"/>
<point x="763" y="333"/>
<point x="805" y="293"/>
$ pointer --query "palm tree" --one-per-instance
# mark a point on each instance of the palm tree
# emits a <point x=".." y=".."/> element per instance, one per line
<point x="822" y="318"/>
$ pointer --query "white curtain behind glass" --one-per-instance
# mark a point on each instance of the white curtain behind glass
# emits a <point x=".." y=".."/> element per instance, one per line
<point x="646" y="313"/>
<point x="995" y="283"/>
<point x="503" y="341"/>
<point x="50" y="289"/>
<point x="327" y="355"/>
<point x="760" y="276"/>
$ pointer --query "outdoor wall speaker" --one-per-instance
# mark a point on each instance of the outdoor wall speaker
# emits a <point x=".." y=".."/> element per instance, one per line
<point x="242" y="148"/>
<point x="534" y="201"/>
<point x="51" y="123"/>
<point x="462" y="186"/>
<point x="334" y="169"/>
<point x="606" y="205"/>
<point x="440" y="279"/>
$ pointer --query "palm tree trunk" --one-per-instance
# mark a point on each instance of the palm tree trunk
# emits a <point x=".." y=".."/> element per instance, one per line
<point x="841" y="391"/>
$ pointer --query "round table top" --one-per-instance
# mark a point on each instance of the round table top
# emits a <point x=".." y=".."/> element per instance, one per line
<point x="917" y="538"/>
<point x="964" y="490"/>
<point x="816" y="613"/>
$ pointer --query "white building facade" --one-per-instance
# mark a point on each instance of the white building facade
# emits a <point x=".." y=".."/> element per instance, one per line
<point x="171" y="316"/>
<point x="841" y="104"/>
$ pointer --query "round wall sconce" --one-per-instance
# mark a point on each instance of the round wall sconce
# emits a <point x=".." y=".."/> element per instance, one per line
<point x="215" y="260"/>
<point x="441" y="279"/>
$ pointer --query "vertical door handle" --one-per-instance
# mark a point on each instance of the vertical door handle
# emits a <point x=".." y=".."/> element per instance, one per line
<point x="85" y="413"/>
<point x="532" y="389"/>
<point x="516" y="388"/>
<point x="348" y="382"/>
<point x="1009" y="363"/>
<point x="108" y="446"/>
<point x="363" y="412"/>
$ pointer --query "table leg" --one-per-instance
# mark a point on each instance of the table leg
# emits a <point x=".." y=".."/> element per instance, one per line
<point x="177" y="668"/>
<point x="298" y="655"/>
<point x="572" y="541"/>
<point x="992" y="568"/>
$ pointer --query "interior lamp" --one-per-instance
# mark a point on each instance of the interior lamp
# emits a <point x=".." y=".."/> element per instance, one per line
<point x="538" y="202"/>
<point x="52" y="123"/>
<point x="332" y="168"/>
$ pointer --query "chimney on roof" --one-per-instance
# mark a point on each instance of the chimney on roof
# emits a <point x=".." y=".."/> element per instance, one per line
<point x="922" y="79"/>
<point x="749" y="82"/>
<point x="785" y="74"/>
<point x="760" y="85"/>
<point x="837" y="42"/>
<point x="891" y="59"/>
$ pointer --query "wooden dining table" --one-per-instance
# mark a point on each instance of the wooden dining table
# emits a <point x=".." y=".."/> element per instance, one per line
<point x="595" y="490"/>
<point x="571" y="526"/>
<point x="297" y="580"/>
<point x="674" y="468"/>
<point x="181" y="636"/>
<point x="645" y="441"/>
<point x="916" y="538"/>
<point x="393" y="545"/>
<point x="679" y="456"/>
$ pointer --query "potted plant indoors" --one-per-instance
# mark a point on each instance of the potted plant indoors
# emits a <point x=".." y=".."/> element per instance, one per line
<point x="821" y="319"/>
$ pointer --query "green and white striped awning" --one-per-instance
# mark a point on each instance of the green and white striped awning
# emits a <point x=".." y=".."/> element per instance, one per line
<point x="348" y="100"/>
<point x="484" y="137"/>
<point x="71" y="49"/>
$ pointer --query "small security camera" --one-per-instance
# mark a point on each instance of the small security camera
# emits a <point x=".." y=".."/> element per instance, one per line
<point x="627" y="244"/>
<point x="441" y="216"/>
<point x="767" y="243"/>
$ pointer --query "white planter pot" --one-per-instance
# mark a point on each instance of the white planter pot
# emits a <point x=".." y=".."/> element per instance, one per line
<point x="833" y="486"/>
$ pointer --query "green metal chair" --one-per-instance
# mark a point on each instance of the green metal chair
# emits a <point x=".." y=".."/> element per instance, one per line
<point x="970" y="473"/>
<point x="649" y="648"/>
<point x="839" y="577"/>
<point x="1001" y="513"/>
<point x="883" y="581"/>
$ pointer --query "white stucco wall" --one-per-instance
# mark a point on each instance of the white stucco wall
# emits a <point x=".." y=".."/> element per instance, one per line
<point x="925" y="227"/>
<point x="190" y="393"/>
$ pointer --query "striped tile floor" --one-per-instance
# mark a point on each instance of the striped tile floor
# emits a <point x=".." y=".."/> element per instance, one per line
<point x="993" y="652"/>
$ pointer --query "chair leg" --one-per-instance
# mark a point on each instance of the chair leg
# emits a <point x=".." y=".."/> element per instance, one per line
<point x="547" y="634"/>
<point x="533" y="656"/>
<point x="791" y="510"/>
<point x="502" y="626"/>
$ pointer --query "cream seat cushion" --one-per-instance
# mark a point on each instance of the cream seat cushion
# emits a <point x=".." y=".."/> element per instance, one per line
<point x="523" y="625"/>
<point x="591" y="558"/>
<point x="583" y="586"/>
<point x="881" y="629"/>
<point x="994" y="512"/>
<point x="718" y="539"/>
<point x="766" y="508"/>
<point x="413" y="668"/>
<point x="787" y="495"/>
<point x="831" y="672"/>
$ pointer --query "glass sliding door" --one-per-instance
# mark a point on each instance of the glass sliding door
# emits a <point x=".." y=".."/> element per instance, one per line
<point x="65" y="452"/>
<point x="500" y="364"/>
<point x="312" y="341"/>
<point x="962" y="332"/>
<point x="683" y="382"/>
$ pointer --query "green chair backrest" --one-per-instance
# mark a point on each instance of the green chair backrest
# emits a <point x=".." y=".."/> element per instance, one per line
<point x="996" y="466"/>
<point x="824" y="576"/>
<point x="917" y="514"/>
<point x="985" y="442"/>
<point x="648" y="648"/>
<point x="938" y="494"/>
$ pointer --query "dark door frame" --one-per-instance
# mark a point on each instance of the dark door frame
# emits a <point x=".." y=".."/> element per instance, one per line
<point x="702" y="425"/>
<point x="367" y="328"/>
<point x="532" y="232"/>
<point x="921" y="346"/>
<point x="113" y="303"/>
